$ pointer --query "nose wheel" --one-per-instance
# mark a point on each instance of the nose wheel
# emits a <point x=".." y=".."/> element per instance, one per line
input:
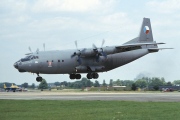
<point x="39" y="78"/>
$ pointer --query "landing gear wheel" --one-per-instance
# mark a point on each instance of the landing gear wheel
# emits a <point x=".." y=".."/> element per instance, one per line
<point x="95" y="75"/>
<point x="72" y="76"/>
<point x="78" y="76"/>
<point x="39" y="79"/>
<point x="89" y="75"/>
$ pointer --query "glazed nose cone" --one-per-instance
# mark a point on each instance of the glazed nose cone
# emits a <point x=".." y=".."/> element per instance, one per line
<point x="16" y="65"/>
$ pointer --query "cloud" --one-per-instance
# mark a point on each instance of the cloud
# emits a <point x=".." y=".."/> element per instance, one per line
<point x="69" y="5"/>
<point x="168" y="6"/>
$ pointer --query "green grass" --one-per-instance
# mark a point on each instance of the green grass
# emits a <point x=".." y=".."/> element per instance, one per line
<point x="87" y="110"/>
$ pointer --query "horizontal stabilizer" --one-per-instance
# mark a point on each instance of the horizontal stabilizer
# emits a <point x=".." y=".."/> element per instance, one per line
<point x="159" y="48"/>
<point x="136" y="44"/>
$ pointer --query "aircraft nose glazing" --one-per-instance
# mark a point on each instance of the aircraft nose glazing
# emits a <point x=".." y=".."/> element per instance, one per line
<point x="16" y="65"/>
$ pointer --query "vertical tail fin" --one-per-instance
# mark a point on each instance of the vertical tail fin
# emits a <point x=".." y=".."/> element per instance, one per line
<point x="145" y="34"/>
<point x="146" y="31"/>
<point x="5" y="86"/>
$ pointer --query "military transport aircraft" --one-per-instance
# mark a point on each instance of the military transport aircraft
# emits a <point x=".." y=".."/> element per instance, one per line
<point x="89" y="60"/>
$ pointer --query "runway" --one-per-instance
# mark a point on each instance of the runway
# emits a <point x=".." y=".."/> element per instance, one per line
<point x="163" y="97"/>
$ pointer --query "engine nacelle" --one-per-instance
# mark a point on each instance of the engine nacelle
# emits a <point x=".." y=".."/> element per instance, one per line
<point x="109" y="50"/>
<point x="88" y="53"/>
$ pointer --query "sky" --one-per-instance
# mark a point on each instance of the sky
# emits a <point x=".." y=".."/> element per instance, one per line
<point x="58" y="23"/>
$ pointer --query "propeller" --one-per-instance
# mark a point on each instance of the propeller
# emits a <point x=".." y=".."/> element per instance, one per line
<point x="99" y="51"/>
<point x="77" y="53"/>
<point x="37" y="51"/>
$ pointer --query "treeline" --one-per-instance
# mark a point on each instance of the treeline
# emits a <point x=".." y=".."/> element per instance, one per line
<point x="144" y="83"/>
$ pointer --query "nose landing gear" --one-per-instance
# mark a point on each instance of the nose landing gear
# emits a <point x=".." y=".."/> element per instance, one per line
<point x="39" y="78"/>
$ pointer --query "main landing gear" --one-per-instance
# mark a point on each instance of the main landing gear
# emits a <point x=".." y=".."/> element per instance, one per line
<point x="92" y="75"/>
<point x="39" y="78"/>
<point x="75" y="76"/>
<point x="89" y="76"/>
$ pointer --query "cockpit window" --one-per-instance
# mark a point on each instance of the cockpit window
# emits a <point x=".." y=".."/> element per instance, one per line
<point x="28" y="58"/>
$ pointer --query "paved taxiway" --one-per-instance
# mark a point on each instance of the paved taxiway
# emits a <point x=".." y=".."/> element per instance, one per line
<point x="169" y="97"/>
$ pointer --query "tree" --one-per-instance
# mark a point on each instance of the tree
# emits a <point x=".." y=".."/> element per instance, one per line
<point x="141" y="83"/>
<point x="110" y="83"/>
<point x="57" y="83"/>
<point x="133" y="87"/>
<point x="169" y="83"/>
<point x="43" y="84"/>
<point x="96" y="84"/>
<point x="33" y="85"/>
<point x="128" y="83"/>
<point x="104" y="83"/>
<point x="157" y="81"/>
<point x="65" y="83"/>
<point x="156" y="87"/>
<point x="88" y="83"/>
<point x="25" y="85"/>
<point x="83" y="82"/>
<point x="117" y="82"/>
<point x="176" y="82"/>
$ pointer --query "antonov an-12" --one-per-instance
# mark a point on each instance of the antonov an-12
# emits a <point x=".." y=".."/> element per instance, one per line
<point x="89" y="60"/>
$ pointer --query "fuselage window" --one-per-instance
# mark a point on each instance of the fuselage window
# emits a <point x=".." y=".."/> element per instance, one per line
<point x="58" y="60"/>
<point x="62" y="60"/>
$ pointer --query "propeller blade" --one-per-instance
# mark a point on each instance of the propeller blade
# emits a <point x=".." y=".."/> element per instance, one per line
<point x="103" y="41"/>
<point x="94" y="46"/>
<point x="79" y="60"/>
<point x="73" y="55"/>
<point x="30" y="49"/>
<point x="76" y="44"/>
<point x="104" y="54"/>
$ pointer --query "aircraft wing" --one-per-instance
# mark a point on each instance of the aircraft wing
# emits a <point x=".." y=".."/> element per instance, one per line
<point x="135" y="45"/>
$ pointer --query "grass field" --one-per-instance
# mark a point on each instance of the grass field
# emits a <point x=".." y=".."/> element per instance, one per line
<point x="87" y="110"/>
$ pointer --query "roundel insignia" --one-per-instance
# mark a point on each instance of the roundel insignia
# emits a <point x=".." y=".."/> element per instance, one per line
<point x="146" y="29"/>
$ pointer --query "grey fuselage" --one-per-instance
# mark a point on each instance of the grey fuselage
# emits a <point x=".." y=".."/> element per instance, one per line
<point x="61" y="62"/>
